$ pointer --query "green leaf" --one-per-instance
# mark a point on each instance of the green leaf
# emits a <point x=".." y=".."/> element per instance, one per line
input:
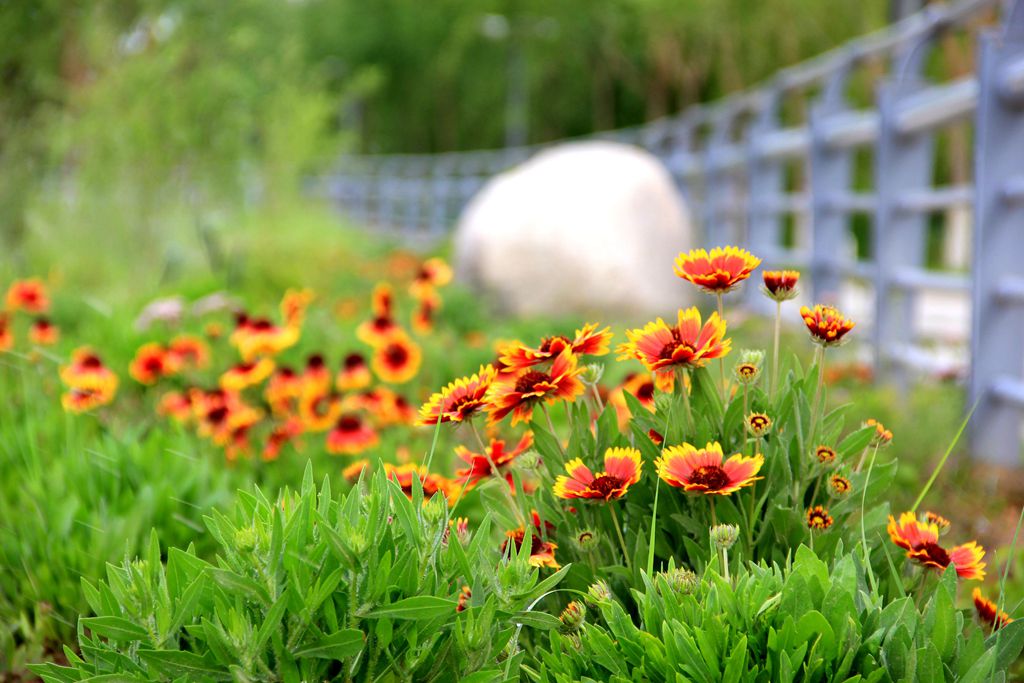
<point x="178" y="663"/>
<point x="115" y="628"/>
<point x="418" y="607"/>
<point x="340" y="645"/>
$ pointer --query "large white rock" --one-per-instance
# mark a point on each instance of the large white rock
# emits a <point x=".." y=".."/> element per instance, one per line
<point x="587" y="228"/>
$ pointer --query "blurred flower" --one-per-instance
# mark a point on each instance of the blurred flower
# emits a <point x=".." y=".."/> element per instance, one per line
<point x="87" y="372"/>
<point x="281" y="435"/>
<point x="351" y="435"/>
<point x="882" y="436"/>
<point x="685" y="345"/>
<point x="921" y="541"/>
<point x="189" y="351"/>
<point x="460" y="400"/>
<point x="839" y="485"/>
<point x="780" y="285"/>
<point x="641" y="386"/>
<point x="28" y="295"/>
<point x="243" y="375"/>
<point x="175" y="405"/>
<point x="826" y="324"/>
<point x="397" y="359"/>
<point x="542" y="553"/>
<point x="354" y="373"/>
<point x="423" y="317"/>
<point x="818" y="518"/>
<point x="319" y="409"/>
<point x="518" y="392"/>
<point x="260" y="337"/>
<point x="6" y="334"/>
<point x="589" y="341"/>
<point x="151" y="363"/>
<point x="316" y="376"/>
<point x="758" y="424"/>
<point x="433" y="273"/>
<point x="464" y="595"/>
<point x="43" y="332"/>
<point x="717" y="271"/>
<point x="938" y="520"/>
<point x="825" y="455"/>
<point x="988" y="612"/>
<point x="621" y="469"/>
<point x="283" y="391"/>
<point x="294" y="304"/>
<point x="81" y="399"/>
<point x="351" y="472"/>
<point x="495" y="461"/>
<point x="706" y="470"/>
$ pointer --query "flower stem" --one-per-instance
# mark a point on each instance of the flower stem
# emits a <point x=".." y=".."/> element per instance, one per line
<point x="479" y="439"/>
<point x="714" y="518"/>
<point x="721" y="359"/>
<point x="618" y="531"/>
<point x="597" y="398"/>
<point x="775" y="351"/>
<point x="551" y="426"/>
<point x="685" y="391"/>
<point x="817" y="409"/>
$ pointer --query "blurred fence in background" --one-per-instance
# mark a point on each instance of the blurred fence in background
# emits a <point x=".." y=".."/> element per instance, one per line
<point x="921" y="192"/>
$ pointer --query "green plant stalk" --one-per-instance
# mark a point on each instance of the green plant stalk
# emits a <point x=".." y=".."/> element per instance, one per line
<point x="497" y="476"/>
<point x="725" y="565"/>
<point x="597" y="398"/>
<point x="863" y="532"/>
<point x="686" y="402"/>
<point x="721" y="359"/>
<point x="618" y="532"/>
<point x="657" y="482"/>
<point x="816" y="409"/>
<point x="551" y="426"/>
<point x="433" y="444"/>
<point x="775" y="351"/>
<point x="945" y="457"/>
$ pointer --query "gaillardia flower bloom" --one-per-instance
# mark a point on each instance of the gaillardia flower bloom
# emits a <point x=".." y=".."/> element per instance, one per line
<point x="244" y="375"/>
<point x="705" y="470"/>
<point x="28" y="295"/>
<point x="351" y="435"/>
<point x="818" y="518"/>
<point x="687" y="344"/>
<point x="519" y="392"/>
<point x="717" y="271"/>
<point x="86" y="371"/>
<point x="354" y="373"/>
<point x="423" y="317"/>
<point x="6" y="334"/>
<point x="460" y="400"/>
<point x="882" y="436"/>
<point x="542" y="552"/>
<point x="589" y="341"/>
<point x="839" y="485"/>
<point x="826" y="324"/>
<point x="433" y="273"/>
<point x="780" y="285"/>
<point x="319" y="409"/>
<point x="988" y="612"/>
<point x="494" y="461"/>
<point x="921" y="541"/>
<point x="621" y="469"/>
<point x="825" y="455"/>
<point x="397" y="359"/>
<point x="151" y="363"/>
<point x="294" y="304"/>
<point x="261" y="337"/>
<point x="43" y="332"/>
<point x="190" y="352"/>
<point x="758" y="424"/>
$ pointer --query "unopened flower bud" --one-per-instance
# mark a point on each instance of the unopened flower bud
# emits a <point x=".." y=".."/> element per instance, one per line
<point x="748" y="367"/>
<point x="839" y="486"/>
<point x="245" y="538"/>
<point x="724" y="536"/>
<point x="758" y="424"/>
<point x="573" y="616"/>
<point x="681" y="580"/>
<point x="882" y="436"/>
<point x="599" y="592"/>
<point x="592" y="373"/>
<point x="662" y="402"/>
<point x="586" y="540"/>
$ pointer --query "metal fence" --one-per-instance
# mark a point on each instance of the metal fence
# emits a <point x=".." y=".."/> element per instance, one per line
<point x="790" y="186"/>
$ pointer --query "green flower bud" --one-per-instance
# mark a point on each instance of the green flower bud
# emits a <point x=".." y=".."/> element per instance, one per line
<point x="599" y="592"/>
<point x="681" y="580"/>
<point x="573" y="616"/>
<point x="592" y="373"/>
<point x="724" y="536"/>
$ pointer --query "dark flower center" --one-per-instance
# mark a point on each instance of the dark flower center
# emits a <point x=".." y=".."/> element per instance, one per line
<point x="349" y="423"/>
<point x="669" y="349"/>
<point x="315" y="362"/>
<point x="217" y="415"/>
<point x="153" y="364"/>
<point x="396" y="354"/>
<point x="645" y="391"/>
<point x="92" y="362"/>
<point x="711" y="477"/>
<point x="353" y="361"/>
<point x="606" y="485"/>
<point x="261" y="324"/>
<point x="548" y="342"/>
<point x="936" y="553"/>
<point x="529" y="380"/>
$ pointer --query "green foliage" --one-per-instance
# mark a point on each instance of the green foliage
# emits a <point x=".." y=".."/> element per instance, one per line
<point x="808" y="621"/>
<point x="307" y="587"/>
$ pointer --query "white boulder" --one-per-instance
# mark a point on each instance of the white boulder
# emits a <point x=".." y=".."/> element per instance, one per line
<point x="590" y="228"/>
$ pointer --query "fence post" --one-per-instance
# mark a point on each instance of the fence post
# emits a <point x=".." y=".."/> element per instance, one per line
<point x="997" y="348"/>
<point x="903" y="164"/>
<point x="765" y="185"/>
<point x="829" y="178"/>
<point x="716" y="185"/>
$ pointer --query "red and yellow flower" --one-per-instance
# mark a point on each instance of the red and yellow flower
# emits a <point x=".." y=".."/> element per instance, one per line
<point x="988" y="612"/>
<point x="28" y="295"/>
<point x="6" y="334"/>
<point x="280" y="436"/>
<point x="621" y="470"/>
<point x="351" y="435"/>
<point x="87" y="372"/>
<point x="494" y="461"/>
<point x="921" y="541"/>
<point x="826" y="324"/>
<point x="190" y="351"/>
<point x="351" y="472"/>
<point x="780" y="285"/>
<point x="687" y="344"/>
<point x="81" y="400"/>
<point x="176" y="405"/>
<point x="460" y="400"/>
<point x="542" y="552"/>
<point x="283" y="391"/>
<point x="433" y="273"/>
<point x="246" y="374"/>
<point x="43" y="332"/>
<point x="589" y="341"/>
<point x="151" y="363"/>
<point x="316" y="376"/>
<point x="294" y="304"/>
<point x="518" y="392"/>
<point x="397" y="359"/>
<point x="432" y="483"/>
<point x="717" y="271"/>
<point x="640" y="385"/>
<point x="319" y="409"/>
<point x="705" y="470"/>
<point x="261" y="337"/>
<point x="423" y="316"/>
<point x="354" y="373"/>
<point x="818" y="518"/>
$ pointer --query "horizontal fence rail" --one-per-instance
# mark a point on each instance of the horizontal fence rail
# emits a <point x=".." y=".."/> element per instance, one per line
<point x="792" y="188"/>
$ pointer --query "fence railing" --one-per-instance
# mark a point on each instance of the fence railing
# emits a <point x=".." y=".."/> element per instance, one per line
<point x="793" y="169"/>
